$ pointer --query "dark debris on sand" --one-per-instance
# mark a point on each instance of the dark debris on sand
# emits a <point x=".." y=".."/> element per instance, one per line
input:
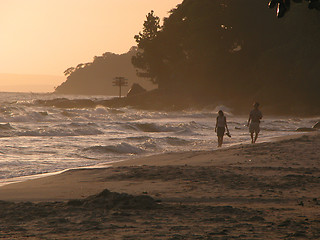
<point x="110" y="215"/>
<point x="113" y="200"/>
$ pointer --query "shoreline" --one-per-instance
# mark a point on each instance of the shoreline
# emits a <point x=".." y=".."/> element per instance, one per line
<point x="256" y="191"/>
<point x="163" y="159"/>
<point x="20" y="179"/>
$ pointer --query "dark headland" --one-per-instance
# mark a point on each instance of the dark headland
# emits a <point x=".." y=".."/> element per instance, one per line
<point x="207" y="54"/>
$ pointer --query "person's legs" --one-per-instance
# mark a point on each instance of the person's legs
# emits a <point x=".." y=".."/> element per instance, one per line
<point x="220" y="133"/>
<point x="251" y="131"/>
<point x="255" y="137"/>
<point x="257" y="130"/>
<point x="254" y="130"/>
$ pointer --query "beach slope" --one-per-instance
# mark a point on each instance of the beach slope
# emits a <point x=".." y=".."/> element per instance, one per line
<point x="261" y="191"/>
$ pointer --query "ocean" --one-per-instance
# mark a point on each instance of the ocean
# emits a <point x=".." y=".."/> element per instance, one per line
<point x="37" y="139"/>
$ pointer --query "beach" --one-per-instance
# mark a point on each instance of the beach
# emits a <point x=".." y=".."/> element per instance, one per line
<point x="267" y="190"/>
<point x="202" y="125"/>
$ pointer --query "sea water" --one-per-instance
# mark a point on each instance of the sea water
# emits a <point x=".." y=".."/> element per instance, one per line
<point x="37" y="139"/>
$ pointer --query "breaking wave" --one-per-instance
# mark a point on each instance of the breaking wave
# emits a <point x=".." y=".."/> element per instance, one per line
<point x="122" y="148"/>
<point x="5" y="126"/>
<point x="174" y="141"/>
<point x="46" y="133"/>
<point x="170" y="127"/>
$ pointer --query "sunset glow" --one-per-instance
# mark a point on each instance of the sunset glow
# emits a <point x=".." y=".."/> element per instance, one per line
<point x="46" y="37"/>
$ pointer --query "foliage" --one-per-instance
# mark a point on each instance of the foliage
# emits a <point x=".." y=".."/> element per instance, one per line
<point x="236" y="52"/>
<point x="145" y="59"/>
<point x="68" y="71"/>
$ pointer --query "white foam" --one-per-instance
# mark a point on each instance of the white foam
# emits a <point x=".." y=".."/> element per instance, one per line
<point x="39" y="139"/>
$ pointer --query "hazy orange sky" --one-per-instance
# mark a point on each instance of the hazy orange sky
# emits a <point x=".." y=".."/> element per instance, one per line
<point x="45" y="37"/>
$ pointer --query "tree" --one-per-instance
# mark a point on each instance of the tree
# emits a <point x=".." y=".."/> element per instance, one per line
<point x="69" y="71"/>
<point x="120" y="82"/>
<point x="150" y="31"/>
<point x="146" y="58"/>
<point x="227" y="50"/>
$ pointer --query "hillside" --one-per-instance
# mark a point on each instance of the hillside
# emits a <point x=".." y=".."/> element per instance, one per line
<point x="96" y="78"/>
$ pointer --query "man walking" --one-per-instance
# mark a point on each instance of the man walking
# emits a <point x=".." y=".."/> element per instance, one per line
<point x="254" y="122"/>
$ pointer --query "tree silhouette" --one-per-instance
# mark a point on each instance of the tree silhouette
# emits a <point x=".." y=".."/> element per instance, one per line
<point x="120" y="82"/>
<point x="68" y="71"/>
<point x="145" y="58"/>
<point x="150" y="29"/>
<point x="230" y="52"/>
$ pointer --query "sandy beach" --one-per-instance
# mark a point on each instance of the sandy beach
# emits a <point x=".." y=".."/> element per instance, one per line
<point x="261" y="191"/>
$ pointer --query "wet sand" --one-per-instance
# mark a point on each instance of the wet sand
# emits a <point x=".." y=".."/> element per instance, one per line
<point x="261" y="191"/>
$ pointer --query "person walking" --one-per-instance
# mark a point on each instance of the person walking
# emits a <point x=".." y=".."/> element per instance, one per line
<point x="221" y="125"/>
<point x="254" y="122"/>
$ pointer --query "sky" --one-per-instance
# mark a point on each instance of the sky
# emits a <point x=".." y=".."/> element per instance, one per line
<point x="39" y="39"/>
